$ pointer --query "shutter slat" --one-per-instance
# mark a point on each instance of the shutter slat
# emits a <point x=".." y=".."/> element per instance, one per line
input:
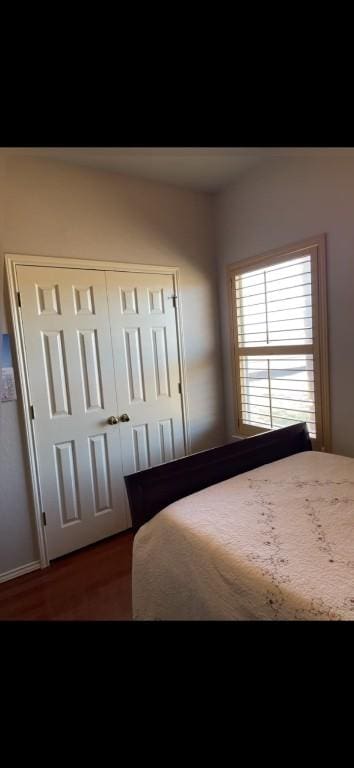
<point x="272" y="388"/>
<point x="280" y="284"/>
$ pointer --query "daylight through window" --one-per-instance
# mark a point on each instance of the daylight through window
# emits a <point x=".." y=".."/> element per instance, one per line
<point x="277" y="343"/>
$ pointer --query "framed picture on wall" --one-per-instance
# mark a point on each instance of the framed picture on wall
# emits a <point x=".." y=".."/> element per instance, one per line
<point x="7" y="378"/>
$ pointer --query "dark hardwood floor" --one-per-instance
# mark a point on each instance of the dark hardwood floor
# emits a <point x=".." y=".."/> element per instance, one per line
<point x="91" y="584"/>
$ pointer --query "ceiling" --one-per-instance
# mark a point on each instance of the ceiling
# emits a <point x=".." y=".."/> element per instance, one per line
<point x="208" y="169"/>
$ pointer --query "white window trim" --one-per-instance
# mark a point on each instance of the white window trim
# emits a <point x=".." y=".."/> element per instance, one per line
<point x="317" y="247"/>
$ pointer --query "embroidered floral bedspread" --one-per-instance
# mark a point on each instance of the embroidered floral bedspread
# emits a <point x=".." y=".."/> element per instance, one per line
<point x="276" y="543"/>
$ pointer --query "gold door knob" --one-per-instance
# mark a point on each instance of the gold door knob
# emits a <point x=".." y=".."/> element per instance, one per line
<point x="124" y="417"/>
<point x="112" y="420"/>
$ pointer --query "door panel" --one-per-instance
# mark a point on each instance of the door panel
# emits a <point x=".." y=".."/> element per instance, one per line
<point x="145" y="351"/>
<point x="98" y="345"/>
<point x="71" y="374"/>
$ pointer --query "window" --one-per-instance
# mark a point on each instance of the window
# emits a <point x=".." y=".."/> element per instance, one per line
<point x="279" y="325"/>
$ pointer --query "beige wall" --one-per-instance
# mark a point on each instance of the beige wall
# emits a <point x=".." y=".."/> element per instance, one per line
<point x="54" y="209"/>
<point x="282" y="202"/>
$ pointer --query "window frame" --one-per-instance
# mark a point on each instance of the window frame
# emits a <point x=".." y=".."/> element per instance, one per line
<point x="316" y="247"/>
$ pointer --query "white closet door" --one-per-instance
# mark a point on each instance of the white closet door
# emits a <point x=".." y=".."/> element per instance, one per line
<point x="145" y="351"/>
<point x="72" y="385"/>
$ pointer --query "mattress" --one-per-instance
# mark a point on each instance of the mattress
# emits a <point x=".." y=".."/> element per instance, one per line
<point x="275" y="543"/>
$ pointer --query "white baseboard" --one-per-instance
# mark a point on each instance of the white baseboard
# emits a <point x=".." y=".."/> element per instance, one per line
<point x="20" y="571"/>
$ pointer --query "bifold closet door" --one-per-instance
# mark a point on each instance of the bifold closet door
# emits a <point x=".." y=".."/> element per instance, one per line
<point x="146" y="360"/>
<point x="72" y="388"/>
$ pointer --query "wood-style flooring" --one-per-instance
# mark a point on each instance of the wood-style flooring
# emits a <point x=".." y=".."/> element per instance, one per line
<point x="92" y="584"/>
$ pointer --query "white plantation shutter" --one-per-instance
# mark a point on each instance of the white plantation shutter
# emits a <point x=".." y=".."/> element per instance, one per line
<point x="274" y="304"/>
<point x="277" y="343"/>
<point x="277" y="392"/>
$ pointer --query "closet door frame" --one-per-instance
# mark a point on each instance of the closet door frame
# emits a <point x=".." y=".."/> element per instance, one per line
<point x="13" y="260"/>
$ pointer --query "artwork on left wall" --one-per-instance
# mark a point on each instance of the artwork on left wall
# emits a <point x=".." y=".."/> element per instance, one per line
<point x="7" y="378"/>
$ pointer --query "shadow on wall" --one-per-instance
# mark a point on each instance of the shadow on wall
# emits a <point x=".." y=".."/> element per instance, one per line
<point x="207" y="413"/>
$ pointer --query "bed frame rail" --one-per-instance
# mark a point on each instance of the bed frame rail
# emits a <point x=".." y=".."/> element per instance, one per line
<point x="151" y="490"/>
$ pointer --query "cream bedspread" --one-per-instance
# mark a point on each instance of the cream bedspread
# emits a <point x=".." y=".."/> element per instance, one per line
<point x="273" y="543"/>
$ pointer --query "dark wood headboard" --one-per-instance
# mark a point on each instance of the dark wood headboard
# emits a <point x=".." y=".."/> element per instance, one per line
<point x="153" y="489"/>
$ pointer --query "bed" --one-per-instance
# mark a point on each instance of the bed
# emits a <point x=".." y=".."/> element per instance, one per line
<point x="261" y="529"/>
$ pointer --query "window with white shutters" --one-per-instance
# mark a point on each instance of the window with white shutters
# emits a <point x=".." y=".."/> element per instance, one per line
<point x="280" y="341"/>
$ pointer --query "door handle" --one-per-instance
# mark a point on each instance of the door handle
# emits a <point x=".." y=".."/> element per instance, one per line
<point x="112" y="420"/>
<point x="124" y="417"/>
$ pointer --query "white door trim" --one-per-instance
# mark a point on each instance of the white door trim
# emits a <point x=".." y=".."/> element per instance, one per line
<point x="12" y="260"/>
